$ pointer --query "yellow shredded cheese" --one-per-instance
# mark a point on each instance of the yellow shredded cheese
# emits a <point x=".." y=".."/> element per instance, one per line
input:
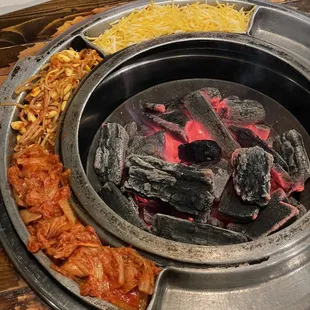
<point x="158" y="20"/>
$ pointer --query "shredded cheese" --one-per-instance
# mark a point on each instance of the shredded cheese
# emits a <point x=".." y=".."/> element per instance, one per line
<point x="158" y="20"/>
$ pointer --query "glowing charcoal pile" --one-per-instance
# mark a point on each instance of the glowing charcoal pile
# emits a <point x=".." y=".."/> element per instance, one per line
<point x="202" y="170"/>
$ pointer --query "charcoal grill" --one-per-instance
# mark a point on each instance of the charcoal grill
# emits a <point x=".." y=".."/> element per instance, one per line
<point x="272" y="60"/>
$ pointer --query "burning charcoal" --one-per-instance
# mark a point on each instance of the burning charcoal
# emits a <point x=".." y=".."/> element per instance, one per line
<point x="110" y="155"/>
<point x="290" y="146"/>
<point x="222" y="172"/>
<point x="252" y="174"/>
<point x="231" y="206"/>
<point x="202" y="111"/>
<point x="262" y="131"/>
<point x="278" y="195"/>
<point x="181" y="230"/>
<point x="271" y="218"/>
<point x="113" y="197"/>
<point x="153" y="145"/>
<point x="212" y="95"/>
<point x="154" y="107"/>
<point x="247" y="138"/>
<point x="131" y="130"/>
<point x="282" y="178"/>
<point x="301" y="208"/>
<point x="186" y="188"/>
<point x="200" y="151"/>
<point x="235" y="111"/>
<point x="174" y="128"/>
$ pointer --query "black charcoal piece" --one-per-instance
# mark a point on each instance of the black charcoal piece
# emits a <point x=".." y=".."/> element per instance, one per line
<point x="109" y="159"/>
<point x="174" y="128"/>
<point x="232" y="206"/>
<point x="247" y="138"/>
<point x="200" y="151"/>
<point x="271" y="218"/>
<point x="211" y="93"/>
<point x="222" y="172"/>
<point x="206" y="218"/>
<point x="201" y="110"/>
<point x="114" y="198"/>
<point x="154" y="107"/>
<point x="131" y="130"/>
<point x="235" y="111"/>
<point x="186" y="188"/>
<point x="290" y="146"/>
<point x="185" y="231"/>
<point x="153" y="145"/>
<point x="277" y="214"/>
<point x="251" y="174"/>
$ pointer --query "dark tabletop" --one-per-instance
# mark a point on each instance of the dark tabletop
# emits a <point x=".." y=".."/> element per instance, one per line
<point x="24" y="33"/>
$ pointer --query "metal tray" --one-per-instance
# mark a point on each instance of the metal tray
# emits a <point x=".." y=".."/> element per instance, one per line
<point x="285" y="260"/>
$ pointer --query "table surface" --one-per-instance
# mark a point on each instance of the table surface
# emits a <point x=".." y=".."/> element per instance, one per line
<point x="24" y="33"/>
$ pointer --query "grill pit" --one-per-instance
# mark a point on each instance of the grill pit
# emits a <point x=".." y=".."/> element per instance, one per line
<point x="203" y="165"/>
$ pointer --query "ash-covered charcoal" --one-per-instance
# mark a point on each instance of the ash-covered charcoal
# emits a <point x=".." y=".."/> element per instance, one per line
<point x="251" y="174"/>
<point x="200" y="151"/>
<point x="222" y="172"/>
<point x="202" y="111"/>
<point x="153" y="145"/>
<point x="206" y="218"/>
<point x="240" y="228"/>
<point x="174" y="128"/>
<point x="113" y="197"/>
<point x="131" y="130"/>
<point x="154" y="107"/>
<point x="181" y="230"/>
<point x="290" y="146"/>
<point x="234" y="110"/>
<point x="247" y="138"/>
<point x="109" y="159"/>
<point x="301" y="208"/>
<point x="212" y="94"/>
<point x="271" y="218"/>
<point x="233" y="207"/>
<point x="187" y="188"/>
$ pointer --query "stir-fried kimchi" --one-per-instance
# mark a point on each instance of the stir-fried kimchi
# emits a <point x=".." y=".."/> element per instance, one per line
<point x="41" y="189"/>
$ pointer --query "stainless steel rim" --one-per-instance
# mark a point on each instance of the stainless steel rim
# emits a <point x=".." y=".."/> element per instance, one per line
<point x="209" y="255"/>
